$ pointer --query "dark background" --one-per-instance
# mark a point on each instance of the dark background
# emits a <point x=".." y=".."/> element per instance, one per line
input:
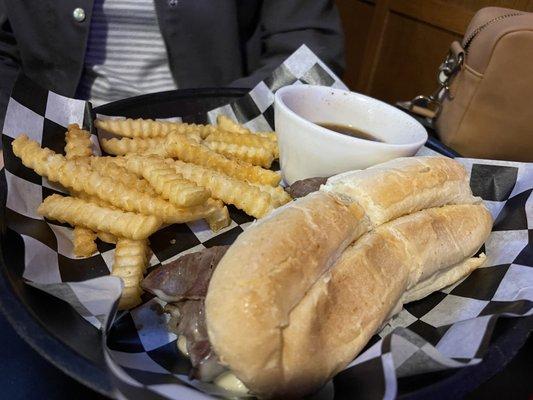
<point x="24" y="374"/>
<point x="394" y="47"/>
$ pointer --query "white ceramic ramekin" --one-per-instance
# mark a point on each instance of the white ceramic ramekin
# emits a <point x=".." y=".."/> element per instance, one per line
<point x="309" y="150"/>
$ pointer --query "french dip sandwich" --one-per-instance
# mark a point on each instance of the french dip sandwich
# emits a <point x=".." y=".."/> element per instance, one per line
<point x="302" y="290"/>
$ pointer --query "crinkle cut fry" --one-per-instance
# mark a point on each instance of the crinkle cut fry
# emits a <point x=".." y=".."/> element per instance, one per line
<point x="244" y="139"/>
<point x="79" y="146"/>
<point x="131" y="260"/>
<point x="78" y="142"/>
<point x="231" y="191"/>
<point x="227" y="124"/>
<point x="166" y="181"/>
<point x="148" y="128"/>
<point x="188" y="151"/>
<point x="251" y="154"/>
<point x="83" y="241"/>
<point x="136" y="128"/>
<point x="77" y="212"/>
<point x="120" y="147"/>
<point x="127" y="199"/>
<point x="279" y="196"/>
<point x="156" y="145"/>
<point x="214" y="211"/>
<point x="219" y="218"/>
<point x="114" y="169"/>
<point x="80" y="178"/>
<point x="93" y="199"/>
<point x="107" y="237"/>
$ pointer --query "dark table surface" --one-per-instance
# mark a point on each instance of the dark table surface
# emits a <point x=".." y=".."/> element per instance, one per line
<point x="26" y="375"/>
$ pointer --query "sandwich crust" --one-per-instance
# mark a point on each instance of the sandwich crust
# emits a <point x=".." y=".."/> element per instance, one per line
<point x="300" y="292"/>
<point x="403" y="186"/>
<point x="337" y="317"/>
<point x="267" y="271"/>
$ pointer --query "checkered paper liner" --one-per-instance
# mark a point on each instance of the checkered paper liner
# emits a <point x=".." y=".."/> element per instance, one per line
<point x="451" y="328"/>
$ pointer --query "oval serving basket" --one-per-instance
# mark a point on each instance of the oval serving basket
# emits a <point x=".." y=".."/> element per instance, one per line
<point x="74" y="346"/>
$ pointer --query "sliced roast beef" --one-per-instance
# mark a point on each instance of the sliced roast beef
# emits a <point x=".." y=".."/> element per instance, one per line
<point x="305" y="186"/>
<point x="185" y="278"/>
<point x="188" y="319"/>
<point x="183" y="284"/>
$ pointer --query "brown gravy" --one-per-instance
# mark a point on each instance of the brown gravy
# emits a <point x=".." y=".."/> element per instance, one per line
<point x="348" y="130"/>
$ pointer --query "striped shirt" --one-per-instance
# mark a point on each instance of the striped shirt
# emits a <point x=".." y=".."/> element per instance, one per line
<point x="126" y="55"/>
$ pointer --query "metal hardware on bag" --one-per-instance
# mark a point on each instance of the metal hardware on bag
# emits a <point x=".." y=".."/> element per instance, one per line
<point x="451" y="65"/>
<point x="447" y="70"/>
<point x="429" y="106"/>
<point x="423" y="105"/>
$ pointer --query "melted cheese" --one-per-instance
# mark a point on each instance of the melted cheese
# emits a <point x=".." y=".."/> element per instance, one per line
<point x="228" y="381"/>
<point x="182" y="345"/>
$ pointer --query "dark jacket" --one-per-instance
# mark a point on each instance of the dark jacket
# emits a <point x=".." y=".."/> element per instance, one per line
<point x="209" y="42"/>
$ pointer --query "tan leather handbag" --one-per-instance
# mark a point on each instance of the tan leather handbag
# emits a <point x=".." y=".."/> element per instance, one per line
<point x="484" y="105"/>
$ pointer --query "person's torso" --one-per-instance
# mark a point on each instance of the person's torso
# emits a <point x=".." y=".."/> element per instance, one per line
<point x="126" y="54"/>
<point x="204" y="38"/>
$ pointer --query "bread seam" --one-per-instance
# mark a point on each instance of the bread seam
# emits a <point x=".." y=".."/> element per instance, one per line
<point x="446" y="279"/>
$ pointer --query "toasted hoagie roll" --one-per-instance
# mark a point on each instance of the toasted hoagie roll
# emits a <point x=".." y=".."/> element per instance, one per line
<point x="370" y="282"/>
<point x="279" y="355"/>
<point x="273" y="268"/>
<point x="299" y="293"/>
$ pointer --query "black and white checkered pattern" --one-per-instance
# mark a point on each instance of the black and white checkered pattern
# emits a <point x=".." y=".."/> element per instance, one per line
<point x="256" y="109"/>
<point x="451" y="328"/>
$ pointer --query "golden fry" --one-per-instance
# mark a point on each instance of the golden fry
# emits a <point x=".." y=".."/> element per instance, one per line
<point x="106" y="237"/>
<point x="43" y="161"/>
<point x="110" y="159"/>
<point x="131" y="260"/>
<point x="244" y="139"/>
<point x="83" y="240"/>
<point x="227" y="124"/>
<point x="78" y="142"/>
<point x="169" y="184"/>
<point x="81" y="178"/>
<point x="114" y="169"/>
<point x="128" y="199"/>
<point x="78" y="212"/>
<point x="136" y="128"/>
<point x="147" y="146"/>
<point x="79" y="147"/>
<point x="278" y="195"/>
<point x="195" y="130"/>
<point x="119" y="147"/>
<point x="219" y="217"/>
<point x="231" y="191"/>
<point x="254" y="155"/>
<point x="93" y="199"/>
<point x="189" y="151"/>
<point x="148" y="128"/>
<point x="193" y="213"/>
